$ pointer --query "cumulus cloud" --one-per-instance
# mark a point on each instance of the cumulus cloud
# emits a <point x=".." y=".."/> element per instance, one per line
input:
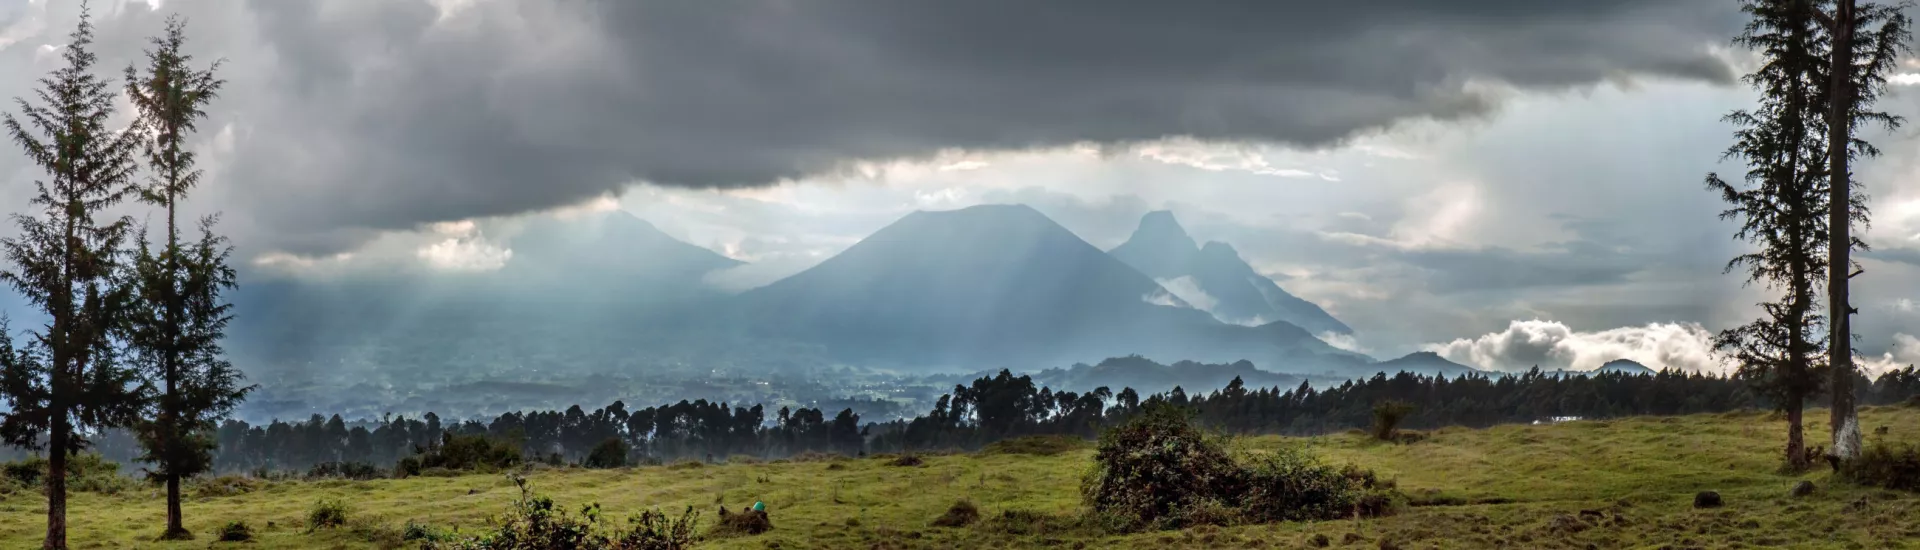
<point x="1552" y="345"/>
<point x="386" y="114"/>
<point x="1904" y="352"/>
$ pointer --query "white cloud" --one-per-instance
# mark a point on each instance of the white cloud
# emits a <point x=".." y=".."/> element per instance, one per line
<point x="1343" y="341"/>
<point x="1216" y="157"/>
<point x="1904" y="352"/>
<point x="1552" y="345"/>
<point x="465" y="253"/>
<point x="1190" y="292"/>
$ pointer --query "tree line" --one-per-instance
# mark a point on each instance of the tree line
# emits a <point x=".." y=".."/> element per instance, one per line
<point x="999" y="407"/>
<point x="133" y="321"/>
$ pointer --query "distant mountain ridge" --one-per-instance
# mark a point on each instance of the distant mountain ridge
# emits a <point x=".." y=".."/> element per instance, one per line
<point x="1004" y="283"/>
<point x="1214" y="278"/>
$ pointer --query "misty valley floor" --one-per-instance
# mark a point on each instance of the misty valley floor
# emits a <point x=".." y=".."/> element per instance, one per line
<point x="1625" y="483"/>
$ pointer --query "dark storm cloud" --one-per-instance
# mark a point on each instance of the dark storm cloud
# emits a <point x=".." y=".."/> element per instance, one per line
<point x="375" y="114"/>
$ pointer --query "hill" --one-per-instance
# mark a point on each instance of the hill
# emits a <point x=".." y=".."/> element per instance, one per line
<point x="1426" y="363"/>
<point x="1627" y="366"/>
<point x="1214" y="278"/>
<point x="1004" y="285"/>
<point x="1625" y="483"/>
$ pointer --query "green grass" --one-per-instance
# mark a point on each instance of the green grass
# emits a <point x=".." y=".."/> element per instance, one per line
<point x="1505" y="487"/>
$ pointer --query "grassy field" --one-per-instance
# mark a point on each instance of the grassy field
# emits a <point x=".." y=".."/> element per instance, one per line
<point x="1625" y="483"/>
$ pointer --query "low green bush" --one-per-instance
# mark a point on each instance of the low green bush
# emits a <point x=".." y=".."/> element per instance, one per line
<point x="1885" y="465"/>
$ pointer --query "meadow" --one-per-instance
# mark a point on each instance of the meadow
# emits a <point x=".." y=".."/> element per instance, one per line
<point x="1621" y="483"/>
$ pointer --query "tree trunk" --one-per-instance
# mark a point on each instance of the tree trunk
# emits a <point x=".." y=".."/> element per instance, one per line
<point x="175" y="530"/>
<point x="1796" y="435"/>
<point x="1846" y="433"/>
<point x="57" y="485"/>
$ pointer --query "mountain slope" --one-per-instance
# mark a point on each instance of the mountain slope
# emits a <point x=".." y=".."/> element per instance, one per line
<point x="1627" y="366"/>
<point x="1002" y="283"/>
<point x="1215" y="278"/>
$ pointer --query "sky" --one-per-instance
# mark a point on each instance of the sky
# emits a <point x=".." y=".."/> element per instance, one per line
<point x="1506" y="182"/>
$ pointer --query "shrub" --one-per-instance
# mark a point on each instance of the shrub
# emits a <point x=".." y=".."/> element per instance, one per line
<point x="235" y="531"/>
<point x="611" y="453"/>
<point x="1885" y="465"/>
<point x="1156" y="464"/>
<point x="1159" y="470"/>
<point x="1039" y="445"/>
<point x="1292" y="485"/>
<point x="344" y="470"/>
<point x="688" y="464"/>
<point x="961" y="514"/>
<point x="326" y="513"/>
<point x="27" y="471"/>
<point x="1386" y="418"/>
<point x="908" y="460"/>
<point x="463" y="453"/>
<point x="745" y="522"/>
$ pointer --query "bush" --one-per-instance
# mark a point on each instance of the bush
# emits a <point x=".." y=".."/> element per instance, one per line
<point x="1292" y="485"/>
<point x="1156" y="464"/>
<point x="462" y="453"/>
<point x="1885" y="465"/>
<point x="961" y="514"/>
<point x="235" y="531"/>
<point x="1160" y="470"/>
<point x="1038" y="445"/>
<point x="1386" y="418"/>
<point x="344" y="470"/>
<point x="326" y="513"/>
<point x="908" y="460"/>
<point x="743" y="523"/>
<point x="611" y="453"/>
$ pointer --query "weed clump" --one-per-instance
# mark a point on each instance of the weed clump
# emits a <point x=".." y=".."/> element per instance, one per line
<point x="326" y="514"/>
<point x="1160" y="470"/>
<point x="1886" y="466"/>
<point x="235" y="531"/>
<point x="908" y="460"/>
<point x="961" y="514"/>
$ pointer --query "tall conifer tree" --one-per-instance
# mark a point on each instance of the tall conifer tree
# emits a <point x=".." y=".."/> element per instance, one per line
<point x="66" y="379"/>
<point x="180" y="316"/>
<point x="1780" y="209"/>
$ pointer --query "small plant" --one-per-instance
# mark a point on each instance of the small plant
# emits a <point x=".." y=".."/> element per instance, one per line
<point x="326" y="514"/>
<point x="743" y="523"/>
<point x="1387" y="416"/>
<point x="235" y="531"/>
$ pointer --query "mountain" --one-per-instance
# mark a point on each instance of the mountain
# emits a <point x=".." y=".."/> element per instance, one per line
<point x="1214" y="278"/>
<point x="997" y="284"/>
<point x="1425" y="363"/>
<point x="1146" y="376"/>
<point x="1628" y="366"/>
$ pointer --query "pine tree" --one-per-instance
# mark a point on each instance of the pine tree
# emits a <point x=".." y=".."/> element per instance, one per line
<point x="67" y="379"/>
<point x="1866" y="43"/>
<point x="1780" y="209"/>
<point x="180" y="317"/>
